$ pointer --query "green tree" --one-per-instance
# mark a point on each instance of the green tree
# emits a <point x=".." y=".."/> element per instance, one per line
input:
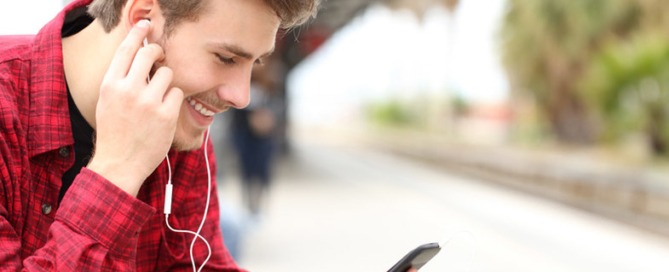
<point x="546" y="47"/>
<point x="629" y="85"/>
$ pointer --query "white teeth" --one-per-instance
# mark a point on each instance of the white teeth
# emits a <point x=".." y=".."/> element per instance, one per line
<point x="200" y="108"/>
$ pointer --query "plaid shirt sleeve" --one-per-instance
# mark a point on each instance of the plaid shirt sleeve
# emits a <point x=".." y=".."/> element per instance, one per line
<point x="87" y="237"/>
<point x="97" y="227"/>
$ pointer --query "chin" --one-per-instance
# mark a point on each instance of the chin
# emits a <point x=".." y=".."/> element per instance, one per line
<point x="185" y="142"/>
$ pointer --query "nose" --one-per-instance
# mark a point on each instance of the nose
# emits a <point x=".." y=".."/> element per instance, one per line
<point x="235" y="89"/>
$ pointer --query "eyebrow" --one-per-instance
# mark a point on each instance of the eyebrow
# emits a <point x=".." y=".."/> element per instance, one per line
<point x="234" y="49"/>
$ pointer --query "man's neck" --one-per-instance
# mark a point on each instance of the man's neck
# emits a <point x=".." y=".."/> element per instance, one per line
<point x="86" y="57"/>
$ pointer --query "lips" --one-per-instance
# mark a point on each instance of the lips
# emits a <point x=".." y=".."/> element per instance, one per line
<point x="200" y="108"/>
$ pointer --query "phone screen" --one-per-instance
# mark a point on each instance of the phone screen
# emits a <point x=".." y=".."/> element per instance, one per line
<point x="416" y="258"/>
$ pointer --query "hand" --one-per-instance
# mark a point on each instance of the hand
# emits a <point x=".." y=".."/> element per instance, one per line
<point x="412" y="270"/>
<point x="135" y="120"/>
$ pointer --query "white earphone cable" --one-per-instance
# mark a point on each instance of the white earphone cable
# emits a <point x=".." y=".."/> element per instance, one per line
<point x="168" y="205"/>
<point x="168" y="199"/>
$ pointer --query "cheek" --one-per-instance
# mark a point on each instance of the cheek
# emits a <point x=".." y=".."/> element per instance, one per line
<point x="191" y="69"/>
<point x="189" y="79"/>
<point x="193" y="76"/>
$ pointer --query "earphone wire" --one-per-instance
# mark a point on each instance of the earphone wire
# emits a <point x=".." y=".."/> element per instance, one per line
<point x="168" y="199"/>
<point x="206" y="206"/>
<point x="168" y="202"/>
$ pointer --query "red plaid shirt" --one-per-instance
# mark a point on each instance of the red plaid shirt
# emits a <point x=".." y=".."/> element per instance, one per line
<point x="97" y="226"/>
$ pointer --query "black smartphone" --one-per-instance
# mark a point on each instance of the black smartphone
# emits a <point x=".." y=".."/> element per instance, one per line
<point x="416" y="258"/>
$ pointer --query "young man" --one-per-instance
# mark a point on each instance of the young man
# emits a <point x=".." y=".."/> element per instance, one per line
<point x="88" y="114"/>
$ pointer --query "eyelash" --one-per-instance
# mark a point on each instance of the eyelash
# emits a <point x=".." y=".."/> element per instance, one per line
<point x="230" y="61"/>
<point x="225" y="60"/>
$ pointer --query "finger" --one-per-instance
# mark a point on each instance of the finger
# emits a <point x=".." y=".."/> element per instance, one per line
<point x="125" y="53"/>
<point x="173" y="100"/>
<point x="143" y="62"/>
<point x="159" y="84"/>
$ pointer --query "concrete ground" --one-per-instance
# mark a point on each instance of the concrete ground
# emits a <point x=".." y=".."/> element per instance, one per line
<point x="337" y="206"/>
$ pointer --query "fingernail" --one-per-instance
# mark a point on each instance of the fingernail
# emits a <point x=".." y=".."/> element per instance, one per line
<point x="143" y="23"/>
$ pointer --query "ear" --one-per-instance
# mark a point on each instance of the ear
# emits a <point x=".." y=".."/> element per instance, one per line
<point x="140" y="9"/>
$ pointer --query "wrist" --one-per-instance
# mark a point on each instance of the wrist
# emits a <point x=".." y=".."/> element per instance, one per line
<point x="118" y="174"/>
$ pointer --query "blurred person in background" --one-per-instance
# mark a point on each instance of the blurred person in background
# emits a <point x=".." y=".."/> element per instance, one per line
<point x="84" y="134"/>
<point x="254" y="134"/>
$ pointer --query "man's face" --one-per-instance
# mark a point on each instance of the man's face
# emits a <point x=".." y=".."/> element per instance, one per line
<point x="212" y="59"/>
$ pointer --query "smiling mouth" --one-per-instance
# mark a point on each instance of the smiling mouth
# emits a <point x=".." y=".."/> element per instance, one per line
<point x="200" y="108"/>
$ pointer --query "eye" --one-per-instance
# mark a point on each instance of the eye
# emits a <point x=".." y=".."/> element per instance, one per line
<point x="225" y="60"/>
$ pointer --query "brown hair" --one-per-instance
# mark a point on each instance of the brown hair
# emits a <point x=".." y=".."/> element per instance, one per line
<point x="291" y="12"/>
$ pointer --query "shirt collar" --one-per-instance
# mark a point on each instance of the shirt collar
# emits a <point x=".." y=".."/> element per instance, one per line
<point x="49" y="118"/>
